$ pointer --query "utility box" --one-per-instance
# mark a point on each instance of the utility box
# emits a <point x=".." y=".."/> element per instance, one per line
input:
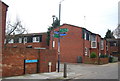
<point x="79" y="59"/>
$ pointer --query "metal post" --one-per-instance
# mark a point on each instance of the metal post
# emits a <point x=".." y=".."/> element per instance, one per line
<point x="38" y="64"/>
<point x="59" y="53"/>
<point x="65" y="70"/>
<point x="59" y="12"/>
<point x="59" y="39"/>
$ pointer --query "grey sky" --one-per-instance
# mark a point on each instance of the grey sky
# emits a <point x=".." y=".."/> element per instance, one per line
<point x="36" y="15"/>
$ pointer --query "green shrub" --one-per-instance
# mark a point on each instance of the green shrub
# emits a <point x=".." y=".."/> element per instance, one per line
<point x="93" y="55"/>
<point x="111" y="59"/>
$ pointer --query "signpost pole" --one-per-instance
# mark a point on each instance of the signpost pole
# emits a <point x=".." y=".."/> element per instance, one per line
<point x="59" y="53"/>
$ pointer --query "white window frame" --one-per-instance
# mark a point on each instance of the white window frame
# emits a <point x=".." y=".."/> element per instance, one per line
<point x="35" y="39"/>
<point x="25" y="40"/>
<point x="53" y="44"/>
<point x="95" y="41"/>
<point x="102" y="44"/>
<point x="20" y="40"/>
<point x="11" y="41"/>
<point x="5" y="41"/>
<point x="86" y="51"/>
<point x="85" y="35"/>
<point x="89" y="37"/>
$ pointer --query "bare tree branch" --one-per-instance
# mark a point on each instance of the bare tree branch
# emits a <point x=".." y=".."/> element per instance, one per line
<point x="13" y="29"/>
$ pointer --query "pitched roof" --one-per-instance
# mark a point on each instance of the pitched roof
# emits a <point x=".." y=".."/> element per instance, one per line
<point x="81" y="28"/>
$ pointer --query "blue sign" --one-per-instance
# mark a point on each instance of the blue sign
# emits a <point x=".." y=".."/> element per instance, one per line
<point x="56" y="32"/>
<point x="31" y="61"/>
<point x="63" y="34"/>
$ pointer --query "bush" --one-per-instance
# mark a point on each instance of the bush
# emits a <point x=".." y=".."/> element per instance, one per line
<point x="93" y="55"/>
<point x="110" y="59"/>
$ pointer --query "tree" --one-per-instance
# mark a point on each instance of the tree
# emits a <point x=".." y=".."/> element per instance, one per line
<point x="55" y="24"/>
<point x="109" y="34"/>
<point x="12" y="29"/>
<point x="116" y="32"/>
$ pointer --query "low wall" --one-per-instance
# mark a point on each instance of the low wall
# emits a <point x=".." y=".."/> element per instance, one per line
<point x="13" y="61"/>
<point x="96" y="60"/>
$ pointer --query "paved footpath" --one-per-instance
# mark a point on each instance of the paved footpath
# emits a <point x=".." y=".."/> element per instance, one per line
<point x="77" y="71"/>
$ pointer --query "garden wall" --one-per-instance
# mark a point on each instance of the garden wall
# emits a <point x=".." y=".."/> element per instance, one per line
<point x="96" y="60"/>
<point x="13" y="61"/>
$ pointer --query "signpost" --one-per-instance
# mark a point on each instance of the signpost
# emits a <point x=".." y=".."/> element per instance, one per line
<point x="59" y="34"/>
<point x="63" y="30"/>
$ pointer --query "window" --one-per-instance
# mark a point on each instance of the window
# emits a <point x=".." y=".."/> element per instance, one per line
<point x="20" y="40"/>
<point x="93" y="41"/>
<point x="5" y="41"/>
<point x="85" y="36"/>
<point x="113" y="43"/>
<point x="53" y="44"/>
<point x="11" y="41"/>
<point x="89" y="37"/>
<point x="35" y="39"/>
<point x="86" y="51"/>
<point x="25" y="40"/>
<point x="102" y="44"/>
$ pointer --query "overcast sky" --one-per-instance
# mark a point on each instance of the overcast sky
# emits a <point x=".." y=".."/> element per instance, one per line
<point x="36" y="15"/>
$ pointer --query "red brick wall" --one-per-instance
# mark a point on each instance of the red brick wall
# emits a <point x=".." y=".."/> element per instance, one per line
<point x="95" y="60"/>
<point x="47" y="56"/>
<point x="4" y="10"/>
<point x="13" y="61"/>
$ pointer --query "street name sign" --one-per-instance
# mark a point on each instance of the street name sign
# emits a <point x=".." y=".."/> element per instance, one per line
<point x="31" y="61"/>
<point x="63" y="30"/>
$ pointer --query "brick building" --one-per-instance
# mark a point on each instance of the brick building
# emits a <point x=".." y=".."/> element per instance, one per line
<point x="78" y="43"/>
<point x="113" y="47"/>
<point x="30" y="40"/>
<point x="3" y="11"/>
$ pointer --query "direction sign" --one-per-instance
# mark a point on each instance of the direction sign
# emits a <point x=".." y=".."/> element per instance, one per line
<point x="56" y="32"/>
<point x="63" y="30"/>
<point x="63" y="34"/>
<point x="56" y="35"/>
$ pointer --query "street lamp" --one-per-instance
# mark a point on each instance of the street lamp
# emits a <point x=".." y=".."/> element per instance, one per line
<point x="59" y="37"/>
<point x="60" y="10"/>
<point x="53" y="18"/>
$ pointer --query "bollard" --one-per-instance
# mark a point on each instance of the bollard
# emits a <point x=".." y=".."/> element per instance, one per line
<point x="65" y="70"/>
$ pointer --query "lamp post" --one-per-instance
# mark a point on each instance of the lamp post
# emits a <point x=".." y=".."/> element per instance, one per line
<point x="60" y="10"/>
<point x="59" y="36"/>
<point x="53" y="18"/>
